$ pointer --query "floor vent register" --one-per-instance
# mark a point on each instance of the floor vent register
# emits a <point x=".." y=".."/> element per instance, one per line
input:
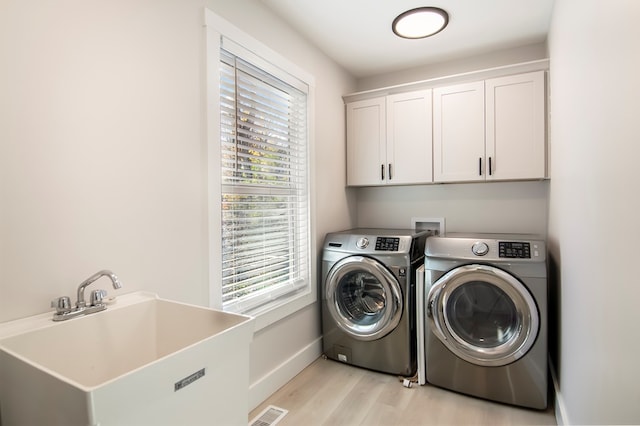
<point x="269" y="416"/>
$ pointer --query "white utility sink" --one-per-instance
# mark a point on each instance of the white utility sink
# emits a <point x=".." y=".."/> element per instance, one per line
<point x="142" y="361"/>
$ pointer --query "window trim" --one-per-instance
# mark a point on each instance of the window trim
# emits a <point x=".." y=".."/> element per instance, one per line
<point x="216" y="28"/>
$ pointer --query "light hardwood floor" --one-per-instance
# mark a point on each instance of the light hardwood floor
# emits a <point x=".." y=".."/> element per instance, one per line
<point x="330" y="393"/>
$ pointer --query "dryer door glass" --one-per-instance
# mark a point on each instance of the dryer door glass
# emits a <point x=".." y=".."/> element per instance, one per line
<point x="363" y="297"/>
<point x="483" y="314"/>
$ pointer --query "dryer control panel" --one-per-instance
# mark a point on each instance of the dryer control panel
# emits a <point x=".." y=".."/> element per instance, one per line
<point x="514" y="249"/>
<point x="488" y="248"/>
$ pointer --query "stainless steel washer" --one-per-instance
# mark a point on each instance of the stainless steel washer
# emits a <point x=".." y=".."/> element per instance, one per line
<point x="484" y="316"/>
<point x="368" y="298"/>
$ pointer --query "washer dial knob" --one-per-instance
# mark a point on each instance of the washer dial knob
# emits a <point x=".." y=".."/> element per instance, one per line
<point x="480" y="248"/>
<point x="362" y="242"/>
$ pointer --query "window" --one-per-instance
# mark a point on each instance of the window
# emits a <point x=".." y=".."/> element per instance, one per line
<point x="263" y="141"/>
<point x="259" y="136"/>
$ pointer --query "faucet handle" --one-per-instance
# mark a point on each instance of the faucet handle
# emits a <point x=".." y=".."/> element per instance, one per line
<point x="97" y="296"/>
<point x="62" y="304"/>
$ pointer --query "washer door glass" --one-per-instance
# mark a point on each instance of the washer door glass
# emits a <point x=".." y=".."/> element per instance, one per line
<point x="483" y="314"/>
<point x="363" y="297"/>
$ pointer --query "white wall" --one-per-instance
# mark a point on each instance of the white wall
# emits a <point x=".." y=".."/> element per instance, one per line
<point x="509" y="207"/>
<point x="593" y="214"/>
<point x="103" y="149"/>
<point x="471" y="63"/>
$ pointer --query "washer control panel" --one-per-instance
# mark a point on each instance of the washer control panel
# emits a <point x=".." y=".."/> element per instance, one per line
<point x="372" y="241"/>
<point x="514" y="249"/>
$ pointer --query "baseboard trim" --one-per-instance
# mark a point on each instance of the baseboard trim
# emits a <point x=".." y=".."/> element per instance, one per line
<point x="264" y="387"/>
<point x="560" y="409"/>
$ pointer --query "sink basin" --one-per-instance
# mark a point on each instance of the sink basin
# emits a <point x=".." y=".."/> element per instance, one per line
<point x="144" y="360"/>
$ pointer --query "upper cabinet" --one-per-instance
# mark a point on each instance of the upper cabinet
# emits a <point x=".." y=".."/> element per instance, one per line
<point x="409" y="158"/>
<point x="490" y="130"/>
<point x="389" y="140"/>
<point x="483" y="130"/>
<point x="366" y="142"/>
<point x="458" y="133"/>
<point x="515" y="117"/>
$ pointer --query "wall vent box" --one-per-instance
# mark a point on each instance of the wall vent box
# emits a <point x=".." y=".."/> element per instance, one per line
<point x="434" y="224"/>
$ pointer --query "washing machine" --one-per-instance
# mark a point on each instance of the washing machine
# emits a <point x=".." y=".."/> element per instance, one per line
<point x="368" y="298"/>
<point x="483" y="312"/>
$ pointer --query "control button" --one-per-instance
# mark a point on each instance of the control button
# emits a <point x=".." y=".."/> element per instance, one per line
<point x="362" y="243"/>
<point x="480" y="249"/>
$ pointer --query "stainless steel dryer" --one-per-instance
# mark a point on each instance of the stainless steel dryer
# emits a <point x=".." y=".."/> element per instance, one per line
<point x="368" y="298"/>
<point x="485" y="317"/>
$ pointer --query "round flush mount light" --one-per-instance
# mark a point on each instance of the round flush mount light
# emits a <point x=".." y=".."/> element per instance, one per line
<point x="420" y="22"/>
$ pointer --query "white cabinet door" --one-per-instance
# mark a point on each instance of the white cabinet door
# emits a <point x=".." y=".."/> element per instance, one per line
<point x="409" y="138"/>
<point x="366" y="142"/>
<point x="458" y="133"/>
<point x="515" y="139"/>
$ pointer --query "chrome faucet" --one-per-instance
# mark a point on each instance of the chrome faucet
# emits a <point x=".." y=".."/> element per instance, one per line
<point x="63" y="307"/>
<point x="81" y="303"/>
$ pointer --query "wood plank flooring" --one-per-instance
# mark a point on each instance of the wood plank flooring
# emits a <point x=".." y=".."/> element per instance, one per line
<point x="330" y="393"/>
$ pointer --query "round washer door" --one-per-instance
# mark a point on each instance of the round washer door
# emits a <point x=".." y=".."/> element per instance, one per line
<point x="363" y="297"/>
<point x="483" y="315"/>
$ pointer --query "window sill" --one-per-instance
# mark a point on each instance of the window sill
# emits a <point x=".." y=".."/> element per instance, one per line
<point x="279" y="309"/>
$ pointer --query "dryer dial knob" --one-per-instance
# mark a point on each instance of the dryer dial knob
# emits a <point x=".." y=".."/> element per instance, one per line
<point x="362" y="242"/>
<point x="480" y="249"/>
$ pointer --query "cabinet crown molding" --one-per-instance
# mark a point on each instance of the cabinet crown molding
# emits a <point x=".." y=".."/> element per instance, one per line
<point x="501" y="71"/>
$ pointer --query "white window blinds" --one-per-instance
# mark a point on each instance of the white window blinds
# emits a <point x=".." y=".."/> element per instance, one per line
<point x="264" y="194"/>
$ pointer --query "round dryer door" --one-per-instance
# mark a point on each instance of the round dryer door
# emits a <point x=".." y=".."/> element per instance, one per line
<point x="483" y="315"/>
<point x="363" y="297"/>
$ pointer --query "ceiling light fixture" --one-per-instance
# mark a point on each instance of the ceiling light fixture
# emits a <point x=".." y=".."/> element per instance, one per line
<point x="420" y="22"/>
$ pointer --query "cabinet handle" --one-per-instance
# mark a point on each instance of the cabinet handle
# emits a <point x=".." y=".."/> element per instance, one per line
<point x="382" y="171"/>
<point x="480" y="166"/>
<point x="490" y="166"/>
<point x="390" y="174"/>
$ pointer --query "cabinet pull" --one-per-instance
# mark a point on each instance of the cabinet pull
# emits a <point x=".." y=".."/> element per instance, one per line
<point x="382" y="171"/>
<point x="490" y="166"/>
<point x="480" y="166"/>
<point x="390" y="174"/>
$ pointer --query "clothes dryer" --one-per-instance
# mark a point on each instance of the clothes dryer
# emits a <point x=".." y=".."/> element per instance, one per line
<point x="368" y="298"/>
<point x="484" y="317"/>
